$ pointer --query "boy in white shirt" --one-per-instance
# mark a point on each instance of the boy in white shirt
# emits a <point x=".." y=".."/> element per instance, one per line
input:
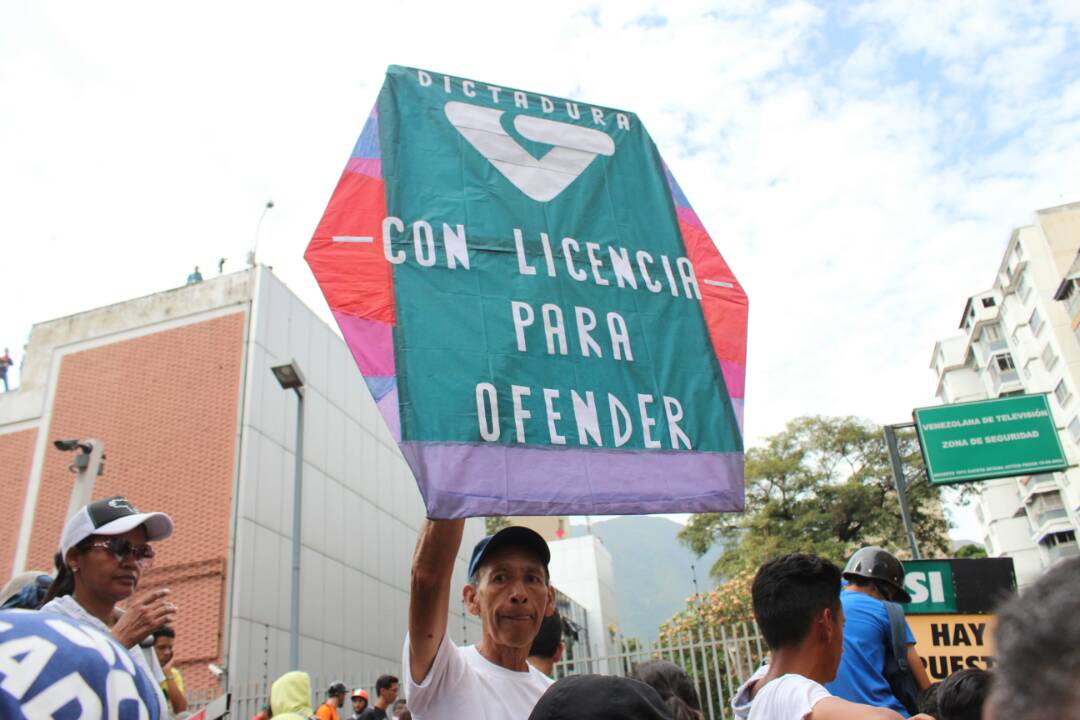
<point x="797" y="607"/>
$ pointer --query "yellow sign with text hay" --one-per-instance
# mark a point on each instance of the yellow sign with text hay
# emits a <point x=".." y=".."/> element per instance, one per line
<point x="948" y="643"/>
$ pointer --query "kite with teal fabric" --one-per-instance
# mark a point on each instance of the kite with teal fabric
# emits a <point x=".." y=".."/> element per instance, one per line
<point x="541" y="318"/>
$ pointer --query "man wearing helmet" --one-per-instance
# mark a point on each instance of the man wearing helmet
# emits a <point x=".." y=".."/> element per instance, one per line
<point x="874" y="577"/>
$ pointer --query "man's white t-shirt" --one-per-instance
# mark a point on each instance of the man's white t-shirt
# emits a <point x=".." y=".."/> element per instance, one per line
<point x="463" y="683"/>
<point x="788" y="697"/>
<point x="742" y="702"/>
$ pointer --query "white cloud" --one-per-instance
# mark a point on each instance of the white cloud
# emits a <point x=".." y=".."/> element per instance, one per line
<point x="858" y="198"/>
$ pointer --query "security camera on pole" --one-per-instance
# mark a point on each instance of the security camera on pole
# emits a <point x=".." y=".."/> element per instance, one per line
<point x="88" y="464"/>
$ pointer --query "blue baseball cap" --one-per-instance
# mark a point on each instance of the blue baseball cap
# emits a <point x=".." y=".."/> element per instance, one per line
<point x="513" y="535"/>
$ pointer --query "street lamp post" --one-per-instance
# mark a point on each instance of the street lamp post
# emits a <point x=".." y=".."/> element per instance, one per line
<point x="290" y="378"/>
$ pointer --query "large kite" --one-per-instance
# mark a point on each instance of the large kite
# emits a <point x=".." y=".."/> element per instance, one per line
<point x="539" y="314"/>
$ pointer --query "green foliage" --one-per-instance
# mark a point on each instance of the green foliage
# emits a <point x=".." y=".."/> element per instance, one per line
<point x="726" y="604"/>
<point x="715" y="636"/>
<point x="971" y="550"/>
<point x="495" y="523"/>
<point x="823" y="485"/>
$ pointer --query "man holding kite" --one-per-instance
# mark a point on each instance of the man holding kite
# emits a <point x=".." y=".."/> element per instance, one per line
<point x="509" y="589"/>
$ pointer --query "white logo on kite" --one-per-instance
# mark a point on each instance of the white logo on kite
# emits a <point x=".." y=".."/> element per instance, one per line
<point x="543" y="179"/>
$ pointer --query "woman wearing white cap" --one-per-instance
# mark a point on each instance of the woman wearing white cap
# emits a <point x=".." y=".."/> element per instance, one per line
<point x="103" y="552"/>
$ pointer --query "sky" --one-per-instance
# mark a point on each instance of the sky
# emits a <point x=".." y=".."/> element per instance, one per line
<point x="860" y="165"/>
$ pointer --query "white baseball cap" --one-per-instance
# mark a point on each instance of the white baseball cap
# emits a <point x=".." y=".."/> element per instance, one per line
<point x="112" y="516"/>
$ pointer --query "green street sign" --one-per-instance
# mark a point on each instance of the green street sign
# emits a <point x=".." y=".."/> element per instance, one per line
<point x="968" y="586"/>
<point x="930" y="585"/>
<point x="989" y="439"/>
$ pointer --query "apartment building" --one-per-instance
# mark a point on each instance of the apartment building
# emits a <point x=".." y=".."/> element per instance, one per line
<point x="1022" y="335"/>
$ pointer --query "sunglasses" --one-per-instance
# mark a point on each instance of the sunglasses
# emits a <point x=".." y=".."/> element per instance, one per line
<point x="121" y="549"/>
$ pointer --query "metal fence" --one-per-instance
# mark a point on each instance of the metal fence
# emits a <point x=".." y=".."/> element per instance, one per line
<point x="717" y="659"/>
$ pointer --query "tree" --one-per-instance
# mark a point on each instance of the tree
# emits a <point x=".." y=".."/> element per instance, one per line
<point x="495" y="523"/>
<point x="714" y="636"/>
<point x="726" y="604"/>
<point x="971" y="550"/>
<point x="823" y="485"/>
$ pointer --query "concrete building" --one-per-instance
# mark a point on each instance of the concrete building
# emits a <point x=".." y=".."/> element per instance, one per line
<point x="1020" y="336"/>
<point x="550" y="527"/>
<point x="581" y="568"/>
<point x="576" y="640"/>
<point x="179" y="388"/>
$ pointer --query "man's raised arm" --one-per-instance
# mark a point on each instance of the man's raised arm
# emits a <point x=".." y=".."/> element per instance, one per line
<point x="429" y="599"/>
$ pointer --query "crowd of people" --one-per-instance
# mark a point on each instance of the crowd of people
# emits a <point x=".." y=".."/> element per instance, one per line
<point x="839" y="646"/>
<point x="290" y="699"/>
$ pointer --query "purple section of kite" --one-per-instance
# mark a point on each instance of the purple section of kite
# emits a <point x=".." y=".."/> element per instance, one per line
<point x="372" y="167"/>
<point x="371" y="343"/>
<point x="390" y="411"/>
<point x="538" y="480"/>
<point x="367" y="145"/>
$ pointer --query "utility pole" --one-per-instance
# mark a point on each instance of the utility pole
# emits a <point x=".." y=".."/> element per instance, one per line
<point x="290" y="378"/>
<point x="897" y="465"/>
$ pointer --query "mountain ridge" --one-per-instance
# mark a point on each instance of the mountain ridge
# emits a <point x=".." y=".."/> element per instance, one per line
<point x="653" y="576"/>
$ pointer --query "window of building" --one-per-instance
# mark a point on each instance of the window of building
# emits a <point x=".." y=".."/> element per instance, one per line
<point x="1018" y="251"/>
<point x="1004" y="361"/>
<point x="992" y="332"/>
<point x="1061" y="545"/>
<point x="1045" y="508"/>
<point x="1035" y="322"/>
<point x="1049" y="358"/>
<point x="1065" y="536"/>
<point x="1022" y="287"/>
<point x="1074" y="429"/>
<point x="988" y="302"/>
<point x="1071" y="297"/>
<point x="1061" y="392"/>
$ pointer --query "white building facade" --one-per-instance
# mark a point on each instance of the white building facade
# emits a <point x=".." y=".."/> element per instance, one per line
<point x="1020" y="336"/>
<point x="361" y="509"/>
<point x="581" y="568"/>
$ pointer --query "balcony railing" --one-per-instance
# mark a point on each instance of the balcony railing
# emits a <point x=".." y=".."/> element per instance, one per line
<point x="1063" y="550"/>
<point x="1037" y="484"/>
<point x="1047" y="515"/>
<point x="1001" y="378"/>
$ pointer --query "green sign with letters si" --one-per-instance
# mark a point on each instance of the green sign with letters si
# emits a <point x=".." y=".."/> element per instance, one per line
<point x="958" y="585"/>
<point x="1004" y="437"/>
<point x="930" y="585"/>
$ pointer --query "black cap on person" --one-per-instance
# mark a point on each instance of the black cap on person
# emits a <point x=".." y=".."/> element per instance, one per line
<point x="600" y="697"/>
